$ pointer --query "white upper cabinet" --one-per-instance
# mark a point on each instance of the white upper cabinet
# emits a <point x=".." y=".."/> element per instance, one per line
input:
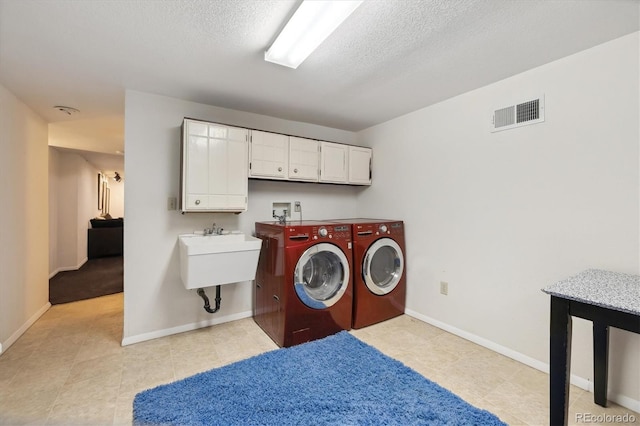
<point x="292" y="158"/>
<point x="303" y="159"/>
<point x="359" y="165"/>
<point x="214" y="167"/>
<point x="268" y="155"/>
<point x="334" y="162"/>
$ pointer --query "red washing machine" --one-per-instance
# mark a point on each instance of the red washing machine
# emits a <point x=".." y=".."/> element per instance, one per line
<point x="303" y="288"/>
<point x="379" y="282"/>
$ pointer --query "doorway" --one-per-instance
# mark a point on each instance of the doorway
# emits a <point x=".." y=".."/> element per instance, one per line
<point x="86" y="223"/>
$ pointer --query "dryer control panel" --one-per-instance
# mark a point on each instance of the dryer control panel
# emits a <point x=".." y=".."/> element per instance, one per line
<point x="364" y="231"/>
<point x="339" y="232"/>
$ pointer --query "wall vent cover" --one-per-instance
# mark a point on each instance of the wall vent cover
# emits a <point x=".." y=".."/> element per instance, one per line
<point x="520" y="114"/>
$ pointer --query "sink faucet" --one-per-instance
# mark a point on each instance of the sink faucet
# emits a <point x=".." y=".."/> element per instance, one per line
<point x="213" y="230"/>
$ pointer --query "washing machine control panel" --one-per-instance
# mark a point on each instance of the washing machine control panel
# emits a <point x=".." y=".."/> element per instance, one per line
<point x="341" y="232"/>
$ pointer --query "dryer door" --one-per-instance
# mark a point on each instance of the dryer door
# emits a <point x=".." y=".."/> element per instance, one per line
<point x="321" y="276"/>
<point x="383" y="266"/>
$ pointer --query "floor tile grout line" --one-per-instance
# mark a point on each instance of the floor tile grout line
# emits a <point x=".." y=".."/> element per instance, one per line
<point x="70" y="370"/>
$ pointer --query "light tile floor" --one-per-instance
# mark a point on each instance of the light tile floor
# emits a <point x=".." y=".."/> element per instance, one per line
<point x="69" y="367"/>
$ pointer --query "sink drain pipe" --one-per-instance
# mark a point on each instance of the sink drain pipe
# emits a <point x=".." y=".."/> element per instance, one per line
<point x="207" y="307"/>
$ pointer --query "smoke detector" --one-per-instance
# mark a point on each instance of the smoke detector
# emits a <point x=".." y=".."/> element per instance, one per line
<point x="67" y="110"/>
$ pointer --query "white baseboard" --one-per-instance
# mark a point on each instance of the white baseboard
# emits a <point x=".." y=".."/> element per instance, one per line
<point x="130" y="340"/>
<point x="19" y="332"/>
<point x="68" y="268"/>
<point x="578" y="381"/>
<point x="624" y="401"/>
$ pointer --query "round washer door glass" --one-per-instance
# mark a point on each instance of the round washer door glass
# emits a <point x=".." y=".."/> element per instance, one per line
<point x="321" y="276"/>
<point x="383" y="266"/>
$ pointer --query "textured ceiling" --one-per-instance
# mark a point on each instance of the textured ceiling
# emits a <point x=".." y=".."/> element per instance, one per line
<point x="389" y="58"/>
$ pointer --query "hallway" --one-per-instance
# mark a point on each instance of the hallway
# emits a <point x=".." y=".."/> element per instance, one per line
<point x="97" y="277"/>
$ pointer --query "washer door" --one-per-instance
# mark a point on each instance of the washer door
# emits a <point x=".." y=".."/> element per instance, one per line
<point x="321" y="276"/>
<point x="383" y="266"/>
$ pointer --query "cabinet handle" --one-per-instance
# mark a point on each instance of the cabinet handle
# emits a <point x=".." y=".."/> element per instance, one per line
<point x="295" y="170"/>
<point x="258" y="285"/>
<point x="276" y="297"/>
<point x="197" y="202"/>
<point x="279" y="169"/>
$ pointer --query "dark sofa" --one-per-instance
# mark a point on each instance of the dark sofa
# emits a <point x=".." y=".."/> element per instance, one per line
<point x="105" y="237"/>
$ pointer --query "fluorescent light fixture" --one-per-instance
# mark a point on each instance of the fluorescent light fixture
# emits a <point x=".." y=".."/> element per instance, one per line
<point x="309" y="26"/>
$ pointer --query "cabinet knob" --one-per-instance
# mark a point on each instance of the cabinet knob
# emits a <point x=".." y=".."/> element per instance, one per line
<point x="197" y="202"/>
<point x="279" y="169"/>
<point x="295" y="170"/>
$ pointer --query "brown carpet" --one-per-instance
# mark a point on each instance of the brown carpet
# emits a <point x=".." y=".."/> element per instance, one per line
<point x="97" y="277"/>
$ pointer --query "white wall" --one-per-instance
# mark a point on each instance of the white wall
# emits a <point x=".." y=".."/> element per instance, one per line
<point x="24" y="229"/>
<point x="155" y="301"/>
<point x="87" y="204"/>
<point x="54" y="172"/>
<point x="67" y="214"/>
<point x="116" y="207"/>
<point x="501" y="215"/>
<point x="73" y="200"/>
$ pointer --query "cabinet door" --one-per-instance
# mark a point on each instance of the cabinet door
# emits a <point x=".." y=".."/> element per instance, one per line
<point x="333" y="162"/>
<point x="214" y="167"/>
<point x="359" y="165"/>
<point x="228" y="184"/>
<point x="303" y="159"/>
<point x="237" y="181"/>
<point x="218" y="169"/>
<point x="268" y="156"/>
<point x="195" y="165"/>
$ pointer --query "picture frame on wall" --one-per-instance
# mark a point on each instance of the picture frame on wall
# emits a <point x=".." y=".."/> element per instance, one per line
<point x="100" y="191"/>
<point x="105" y="189"/>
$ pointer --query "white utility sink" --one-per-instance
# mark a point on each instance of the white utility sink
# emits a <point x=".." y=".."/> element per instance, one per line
<point x="209" y="260"/>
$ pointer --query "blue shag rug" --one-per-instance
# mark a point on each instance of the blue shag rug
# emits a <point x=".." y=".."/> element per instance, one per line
<point x="338" y="380"/>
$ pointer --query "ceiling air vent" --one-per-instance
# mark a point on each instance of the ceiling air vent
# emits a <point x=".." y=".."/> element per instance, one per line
<point x="521" y="114"/>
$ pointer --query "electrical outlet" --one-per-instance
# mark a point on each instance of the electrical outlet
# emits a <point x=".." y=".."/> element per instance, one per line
<point x="297" y="207"/>
<point x="172" y="203"/>
<point x="444" y="287"/>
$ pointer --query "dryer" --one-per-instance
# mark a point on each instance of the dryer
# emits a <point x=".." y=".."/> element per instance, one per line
<point x="379" y="282"/>
<point x="303" y="288"/>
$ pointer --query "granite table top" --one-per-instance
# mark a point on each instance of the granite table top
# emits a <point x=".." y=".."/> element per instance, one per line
<point x="612" y="290"/>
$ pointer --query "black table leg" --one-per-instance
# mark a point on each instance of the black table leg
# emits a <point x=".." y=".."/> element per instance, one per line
<point x="600" y="362"/>
<point x="559" y="361"/>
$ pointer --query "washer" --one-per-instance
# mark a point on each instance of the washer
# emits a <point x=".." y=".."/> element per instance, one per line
<point x="303" y="288"/>
<point x="379" y="282"/>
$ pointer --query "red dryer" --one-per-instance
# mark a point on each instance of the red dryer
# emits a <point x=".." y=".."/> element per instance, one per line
<point x="379" y="283"/>
<point x="303" y="288"/>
